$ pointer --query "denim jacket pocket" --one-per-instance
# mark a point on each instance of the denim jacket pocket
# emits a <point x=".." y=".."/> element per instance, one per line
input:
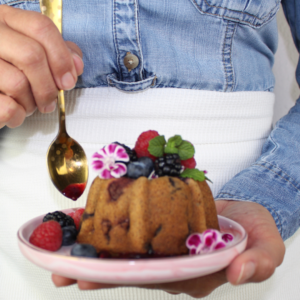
<point x="254" y="13"/>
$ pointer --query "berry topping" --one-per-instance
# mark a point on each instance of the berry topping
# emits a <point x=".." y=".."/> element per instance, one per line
<point x="143" y="167"/>
<point x="108" y="161"/>
<point x="168" y="165"/>
<point x="189" y="163"/>
<point x="208" y="241"/>
<point x="47" y="236"/>
<point x="60" y="217"/>
<point x="129" y="151"/>
<point x="142" y="143"/>
<point x="84" y="250"/>
<point x="76" y="215"/>
<point x="74" y="191"/>
<point x="69" y="235"/>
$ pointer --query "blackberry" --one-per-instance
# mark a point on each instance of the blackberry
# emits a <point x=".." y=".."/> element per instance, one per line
<point x="168" y="165"/>
<point x="60" y="217"/>
<point x="129" y="151"/>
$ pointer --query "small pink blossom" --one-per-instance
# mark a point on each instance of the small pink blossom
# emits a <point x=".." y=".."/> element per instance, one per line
<point x="208" y="241"/>
<point x="108" y="161"/>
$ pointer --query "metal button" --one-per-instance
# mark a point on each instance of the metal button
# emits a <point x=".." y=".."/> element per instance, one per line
<point x="131" y="61"/>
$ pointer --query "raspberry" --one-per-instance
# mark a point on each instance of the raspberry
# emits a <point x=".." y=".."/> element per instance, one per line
<point x="47" y="235"/>
<point x="142" y="143"/>
<point x="189" y="163"/>
<point x="77" y="216"/>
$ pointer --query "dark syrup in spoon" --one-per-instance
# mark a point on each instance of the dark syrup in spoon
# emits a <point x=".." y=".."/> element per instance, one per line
<point x="74" y="191"/>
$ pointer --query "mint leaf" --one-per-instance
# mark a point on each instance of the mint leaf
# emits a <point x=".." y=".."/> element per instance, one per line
<point x="171" y="150"/>
<point x="194" y="174"/>
<point x="157" y="145"/>
<point x="174" y="141"/>
<point x="186" y="150"/>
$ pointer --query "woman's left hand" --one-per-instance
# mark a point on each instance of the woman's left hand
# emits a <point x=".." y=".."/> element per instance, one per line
<point x="264" y="252"/>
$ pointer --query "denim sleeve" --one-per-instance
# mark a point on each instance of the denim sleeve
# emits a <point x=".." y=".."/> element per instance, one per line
<point x="274" y="179"/>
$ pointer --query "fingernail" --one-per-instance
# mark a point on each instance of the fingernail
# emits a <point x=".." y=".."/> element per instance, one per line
<point x="68" y="81"/>
<point x="247" y="271"/>
<point x="50" y="108"/>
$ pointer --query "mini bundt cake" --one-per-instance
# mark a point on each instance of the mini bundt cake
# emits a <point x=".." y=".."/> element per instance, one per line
<point x="146" y="216"/>
<point x="147" y="200"/>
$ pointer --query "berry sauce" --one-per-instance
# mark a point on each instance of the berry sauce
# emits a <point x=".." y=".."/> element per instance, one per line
<point x="74" y="191"/>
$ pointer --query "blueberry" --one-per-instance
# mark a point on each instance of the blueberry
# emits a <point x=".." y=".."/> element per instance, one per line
<point x="142" y="167"/>
<point x="84" y="250"/>
<point x="69" y="235"/>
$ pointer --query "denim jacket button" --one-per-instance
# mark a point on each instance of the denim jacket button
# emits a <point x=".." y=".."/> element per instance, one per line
<point x="131" y="61"/>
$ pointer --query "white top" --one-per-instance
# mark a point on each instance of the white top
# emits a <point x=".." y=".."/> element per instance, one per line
<point x="227" y="130"/>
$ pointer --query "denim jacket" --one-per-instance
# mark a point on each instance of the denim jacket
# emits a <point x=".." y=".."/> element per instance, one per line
<point x="217" y="45"/>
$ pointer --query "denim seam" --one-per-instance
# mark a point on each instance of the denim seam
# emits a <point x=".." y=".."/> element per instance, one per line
<point x="223" y="196"/>
<point x="236" y="11"/>
<point x="136" y="10"/>
<point x="288" y="179"/>
<point x="20" y="1"/>
<point x="116" y="40"/>
<point x="226" y="55"/>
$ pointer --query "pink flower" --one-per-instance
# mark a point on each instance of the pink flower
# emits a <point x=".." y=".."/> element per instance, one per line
<point x="108" y="161"/>
<point x="208" y="241"/>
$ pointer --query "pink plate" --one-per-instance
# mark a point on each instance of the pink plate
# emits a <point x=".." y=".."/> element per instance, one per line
<point x="130" y="271"/>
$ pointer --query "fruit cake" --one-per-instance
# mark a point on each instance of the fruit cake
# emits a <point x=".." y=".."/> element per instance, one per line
<point x="147" y="200"/>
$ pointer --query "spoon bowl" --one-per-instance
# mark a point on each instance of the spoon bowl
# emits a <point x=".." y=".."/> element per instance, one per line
<point x="66" y="159"/>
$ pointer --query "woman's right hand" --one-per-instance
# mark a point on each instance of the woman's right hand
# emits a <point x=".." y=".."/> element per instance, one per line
<point x="35" y="62"/>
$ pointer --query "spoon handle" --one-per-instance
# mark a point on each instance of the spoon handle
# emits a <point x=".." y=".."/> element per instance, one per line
<point x="61" y="112"/>
<point x="53" y="10"/>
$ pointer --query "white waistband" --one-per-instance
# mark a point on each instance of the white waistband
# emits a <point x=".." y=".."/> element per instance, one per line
<point x="227" y="129"/>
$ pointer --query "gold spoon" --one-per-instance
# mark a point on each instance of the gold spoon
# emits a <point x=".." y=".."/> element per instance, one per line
<point x="67" y="162"/>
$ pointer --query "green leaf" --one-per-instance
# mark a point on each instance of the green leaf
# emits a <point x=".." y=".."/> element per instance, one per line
<point x="174" y="141"/>
<point x="194" y="174"/>
<point x="157" y="145"/>
<point x="186" y="150"/>
<point x="171" y="150"/>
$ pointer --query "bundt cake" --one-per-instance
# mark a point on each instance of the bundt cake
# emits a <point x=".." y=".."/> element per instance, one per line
<point x="141" y="212"/>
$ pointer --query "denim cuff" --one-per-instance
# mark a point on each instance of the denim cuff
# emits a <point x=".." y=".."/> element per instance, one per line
<point x="268" y="185"/>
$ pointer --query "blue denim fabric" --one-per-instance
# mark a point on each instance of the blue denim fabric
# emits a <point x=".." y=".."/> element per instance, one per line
<point x="218" y="45"/>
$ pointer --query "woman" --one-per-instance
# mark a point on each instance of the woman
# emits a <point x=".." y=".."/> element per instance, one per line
<point x="201" y="69"/>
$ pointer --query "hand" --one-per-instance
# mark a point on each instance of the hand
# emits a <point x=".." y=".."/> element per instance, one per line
<point x="35" y="62"/>
<point x="264" y="252"/>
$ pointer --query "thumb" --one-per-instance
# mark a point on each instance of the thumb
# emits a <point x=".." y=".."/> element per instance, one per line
<point x="259" y="261"/>
<point x="77" y="57"/>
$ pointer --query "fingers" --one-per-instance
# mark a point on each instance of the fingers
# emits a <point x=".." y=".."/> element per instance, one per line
<point x="198" y="287"/>
<point x="35" y="62"/>
<point x="12" y="114"/>
<point x="265" y="248"/>
<point x="61" y="281"/>
<point x="42" y="30"/>
<point x="14" y="84"/>
<point x="77" y="57"/>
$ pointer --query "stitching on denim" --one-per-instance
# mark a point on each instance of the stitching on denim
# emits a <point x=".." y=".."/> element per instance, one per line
<point x="271" y="170"/>
<point x="273" y="10"/>
<point x="20" y="1"/>
<point x="222" y="195"/>
<point x="116" y="40"/>
<point x="136" y="11"/>
<point x="226" y="55"/>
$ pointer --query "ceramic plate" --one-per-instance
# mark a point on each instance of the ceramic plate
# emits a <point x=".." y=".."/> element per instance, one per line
<point x="130" y="271"/>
